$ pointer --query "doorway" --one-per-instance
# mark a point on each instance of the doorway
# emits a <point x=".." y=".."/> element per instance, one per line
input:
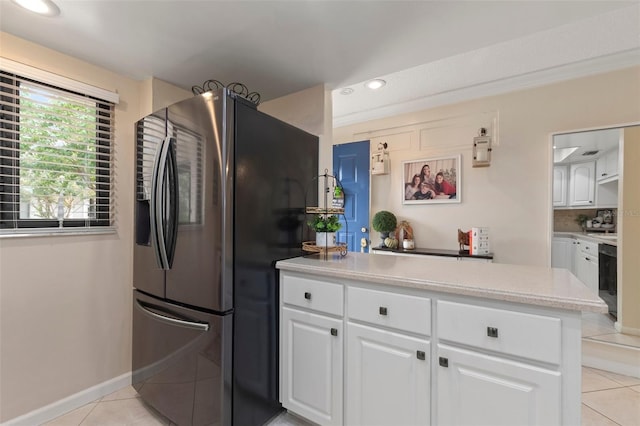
<point x="351" y="167"/>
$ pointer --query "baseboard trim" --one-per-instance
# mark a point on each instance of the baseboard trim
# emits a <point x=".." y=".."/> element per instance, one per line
<point x="612" y="357"/>
<point x="70" y="403"/>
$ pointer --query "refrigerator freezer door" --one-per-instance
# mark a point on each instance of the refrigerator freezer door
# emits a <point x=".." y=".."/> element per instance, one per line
<point x="182" y="361"/>
<point x="148" y="275"/>
<point x="198" y="276"/>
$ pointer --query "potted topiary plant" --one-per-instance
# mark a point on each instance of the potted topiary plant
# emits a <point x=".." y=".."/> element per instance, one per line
<point x="325" y="227"/>
<point x="384" y="222"/>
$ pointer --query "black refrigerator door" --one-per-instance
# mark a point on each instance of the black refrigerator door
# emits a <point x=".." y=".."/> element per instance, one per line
<point x="198" y="276"/>
<point x="182" y="361"/>
<point x="148" y="275"/>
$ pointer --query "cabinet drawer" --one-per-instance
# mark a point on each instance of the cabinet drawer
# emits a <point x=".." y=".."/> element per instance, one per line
<point x="313" y="294"/>
<point x="399" y="311"/>
<point x="588" y="247"/>
<point x="525" y="335"/>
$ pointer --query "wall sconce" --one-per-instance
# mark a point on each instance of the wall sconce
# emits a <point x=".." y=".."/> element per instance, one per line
<point x="380" y="160"/>
<point x="482" y="149"/>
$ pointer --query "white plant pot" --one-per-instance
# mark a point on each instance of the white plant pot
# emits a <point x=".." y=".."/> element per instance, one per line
<point x="325" y="239"/>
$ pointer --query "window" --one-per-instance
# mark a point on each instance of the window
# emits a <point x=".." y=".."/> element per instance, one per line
<point x="55" y="156"/>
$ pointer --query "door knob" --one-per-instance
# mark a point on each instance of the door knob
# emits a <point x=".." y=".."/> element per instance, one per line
<point x="364" y="230"/>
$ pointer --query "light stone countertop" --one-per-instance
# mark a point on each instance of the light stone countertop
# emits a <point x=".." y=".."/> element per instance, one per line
<point x="592" y="238"/>
<point x="533" y="285"/>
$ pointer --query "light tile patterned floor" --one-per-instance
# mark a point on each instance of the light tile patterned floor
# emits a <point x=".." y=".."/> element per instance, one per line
<point x="601" y="327"/>
<point x="607" y="398"/>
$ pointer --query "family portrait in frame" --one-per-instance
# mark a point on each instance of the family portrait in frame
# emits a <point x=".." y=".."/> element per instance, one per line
<point x="432" y="180"/>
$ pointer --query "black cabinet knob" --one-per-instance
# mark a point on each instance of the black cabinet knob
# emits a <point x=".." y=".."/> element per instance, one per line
<point x="334" y="331"/>
<point x="383" y="310"/>
<point x="444" y="362"/>
<point x="307" y="295"/>
<point x="492" y="332"/>
<point x="421" y="355"/>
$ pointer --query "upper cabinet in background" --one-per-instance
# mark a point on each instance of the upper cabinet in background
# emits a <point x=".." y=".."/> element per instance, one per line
<point x="607" y="166"/>
<point x="582" y="184"/>
<point x="585" y="172"/>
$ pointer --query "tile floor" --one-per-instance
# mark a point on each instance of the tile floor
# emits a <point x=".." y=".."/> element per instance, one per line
<point x="601" y="327"/>
<point x="608" y="399"/>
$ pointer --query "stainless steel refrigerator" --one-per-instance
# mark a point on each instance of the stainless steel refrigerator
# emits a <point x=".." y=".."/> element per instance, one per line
<point x="220" y="195"/>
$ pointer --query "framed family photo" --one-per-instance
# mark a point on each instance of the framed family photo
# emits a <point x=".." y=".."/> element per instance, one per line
<point x="431" y="180"/>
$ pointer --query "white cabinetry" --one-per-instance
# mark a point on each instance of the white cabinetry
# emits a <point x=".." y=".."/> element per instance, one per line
<point x="586" y="263"/>
<point x="311" y="349"/>
<point x="478" y="389"/>
<point x="582" y="184"/>
<point x="387" y="378"/>
<point x="607" y="165"/>
<point x="560" y="183"/>
<point x="496" y="362"/>
<point x="388" y="369"/>
<point x="499" y="383"/>
<point x="562" y="253"/>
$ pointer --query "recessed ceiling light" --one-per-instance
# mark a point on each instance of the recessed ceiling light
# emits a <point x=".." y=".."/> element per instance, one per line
<point x="346" y="91"/>
<point x="41" y="7"/>
<point x="375" y="84"/>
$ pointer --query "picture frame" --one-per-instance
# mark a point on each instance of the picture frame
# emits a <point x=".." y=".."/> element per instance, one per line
<point x="431" y="188"/>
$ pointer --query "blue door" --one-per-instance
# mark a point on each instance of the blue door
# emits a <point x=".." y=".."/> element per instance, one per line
<point x="351" y="167"/>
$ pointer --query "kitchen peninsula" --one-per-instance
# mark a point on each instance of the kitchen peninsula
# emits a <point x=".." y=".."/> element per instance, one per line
<point x="429" y="341"/>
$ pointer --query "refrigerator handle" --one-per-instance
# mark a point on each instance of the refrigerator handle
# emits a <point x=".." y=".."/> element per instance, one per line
<point x="174" y="203"/>
<point x="158" y="202"/>
<point x="173" y="321"/>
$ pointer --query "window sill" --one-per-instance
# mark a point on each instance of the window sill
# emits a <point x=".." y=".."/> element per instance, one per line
<point x="54" y="232"/>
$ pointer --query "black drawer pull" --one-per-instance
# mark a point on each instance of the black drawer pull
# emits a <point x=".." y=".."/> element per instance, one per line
<point x="444" y="362"/>
<point x="334" y="331"/>
<point x="492" y="332"/>
<point x="421" y="355"/>
<point x="307" y="295"/>
<point x="383" y="310"/>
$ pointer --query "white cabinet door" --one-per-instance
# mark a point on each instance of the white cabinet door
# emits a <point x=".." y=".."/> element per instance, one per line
<point x="560" y="179"/>
<point x="582" y="184"/>
<point x="387" y="378"/>
<point x="586" y="264"/>
<point x="311" y="366"/>
<point x="562" y="253"/>
<point x="608" y="165"/>
<point x="587" y="270"/>
<point x="477" y="389"/>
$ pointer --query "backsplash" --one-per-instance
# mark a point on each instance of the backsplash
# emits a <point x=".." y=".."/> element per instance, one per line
<point x="565" y="220"/>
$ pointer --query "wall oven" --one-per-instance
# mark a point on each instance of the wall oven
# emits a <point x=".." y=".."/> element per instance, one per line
<point x="608" y="277"/>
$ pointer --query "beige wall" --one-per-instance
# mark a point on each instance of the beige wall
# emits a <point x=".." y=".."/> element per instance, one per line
<point x="512" y="196"/>
<point x="629" y="217"/>
<point x="65" y="301"/>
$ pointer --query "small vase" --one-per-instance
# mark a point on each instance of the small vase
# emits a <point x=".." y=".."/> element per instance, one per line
<point x="325" y="239"/>
<point x="383" y="236"/>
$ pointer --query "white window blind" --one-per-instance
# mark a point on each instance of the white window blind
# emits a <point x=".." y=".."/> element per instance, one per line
<point x="55" y="157"/>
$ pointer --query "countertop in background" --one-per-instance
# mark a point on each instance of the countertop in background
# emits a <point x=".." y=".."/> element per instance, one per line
<point x="589" y="237"/>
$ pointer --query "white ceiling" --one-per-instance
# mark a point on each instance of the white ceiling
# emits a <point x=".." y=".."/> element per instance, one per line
<point x="585" y="146"/>
<point x="429" y="52"/>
